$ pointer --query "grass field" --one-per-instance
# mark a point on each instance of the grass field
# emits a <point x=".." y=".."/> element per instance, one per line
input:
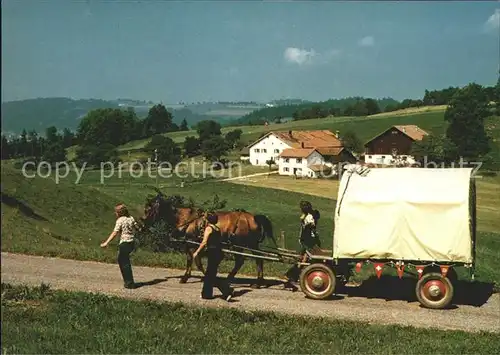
<point x="41" y="321"/>
<point x="365" y="127"/>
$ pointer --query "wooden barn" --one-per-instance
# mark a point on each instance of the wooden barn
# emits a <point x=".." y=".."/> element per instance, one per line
<point x="393" y="145"/>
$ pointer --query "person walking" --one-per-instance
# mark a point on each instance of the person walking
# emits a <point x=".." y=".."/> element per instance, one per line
<point x="309" y="239"/>
<point x="125" y="226"/>
<point x="212" y="239"/>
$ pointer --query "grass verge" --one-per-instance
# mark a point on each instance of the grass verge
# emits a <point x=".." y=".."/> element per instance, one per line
<point x="41" y="321"/>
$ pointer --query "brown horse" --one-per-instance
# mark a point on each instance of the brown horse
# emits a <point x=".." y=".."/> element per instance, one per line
<point x="240" y="228"/>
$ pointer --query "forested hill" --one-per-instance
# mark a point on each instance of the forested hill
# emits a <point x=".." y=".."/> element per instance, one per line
<point x="351" y="106"/>
<point x="60" y="112"/>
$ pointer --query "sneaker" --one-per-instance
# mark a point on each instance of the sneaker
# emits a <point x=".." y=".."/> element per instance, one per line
<point x="130" y="286"/>
<point x="228" y="297"/>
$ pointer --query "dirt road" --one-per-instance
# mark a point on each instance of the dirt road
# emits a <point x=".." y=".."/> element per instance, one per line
<point x="163" y="285"/>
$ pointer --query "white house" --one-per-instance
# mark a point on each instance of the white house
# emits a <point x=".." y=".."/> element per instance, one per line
<point x="307" y="162"/>
<point x="266" y="148"/>
<point x="300" y="153"/>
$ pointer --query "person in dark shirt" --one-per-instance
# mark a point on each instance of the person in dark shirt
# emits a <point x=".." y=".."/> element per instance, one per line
<point x="212" y="239"/>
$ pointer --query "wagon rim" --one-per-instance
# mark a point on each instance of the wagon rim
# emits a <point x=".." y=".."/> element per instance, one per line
<point x="318" y="281"/>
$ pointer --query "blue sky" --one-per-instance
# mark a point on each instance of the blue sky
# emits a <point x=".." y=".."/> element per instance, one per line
<point x="244" y="50"/>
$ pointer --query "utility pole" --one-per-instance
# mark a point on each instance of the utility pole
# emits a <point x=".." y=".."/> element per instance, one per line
<point x="129" y="172"/>
<point x="156" y="162"/>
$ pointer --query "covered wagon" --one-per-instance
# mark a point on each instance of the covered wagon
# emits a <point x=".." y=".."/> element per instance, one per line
<point x="416" y="219"/>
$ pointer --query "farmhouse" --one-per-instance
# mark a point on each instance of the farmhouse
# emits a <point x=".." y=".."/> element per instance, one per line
<point x="300" y="153"/>
<point x="393" y="145"/>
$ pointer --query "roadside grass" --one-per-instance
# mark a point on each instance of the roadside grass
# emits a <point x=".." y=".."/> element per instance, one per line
<point x="41" y="321"/>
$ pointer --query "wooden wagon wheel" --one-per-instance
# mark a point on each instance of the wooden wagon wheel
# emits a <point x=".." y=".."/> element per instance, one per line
<point x="318" y="281"/>
<point x="434" y="291"/>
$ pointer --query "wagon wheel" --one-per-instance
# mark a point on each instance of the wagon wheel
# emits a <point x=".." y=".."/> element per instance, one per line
<point x="318" y="281"/>
<point x="434" y="291"/>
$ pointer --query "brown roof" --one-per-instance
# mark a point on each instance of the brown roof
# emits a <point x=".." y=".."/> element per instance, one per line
<point x="310" y="139"/>
<point x="296" y="153"/>
<point x="414" y="132"/>
<point x="325" y="151"/>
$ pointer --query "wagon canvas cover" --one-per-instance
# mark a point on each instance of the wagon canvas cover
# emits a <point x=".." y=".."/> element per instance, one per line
<point x="406" y="214"/>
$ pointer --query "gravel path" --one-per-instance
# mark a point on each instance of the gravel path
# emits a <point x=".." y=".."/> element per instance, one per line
<point x="247" y="176"/>
<point x="163" y="285"/>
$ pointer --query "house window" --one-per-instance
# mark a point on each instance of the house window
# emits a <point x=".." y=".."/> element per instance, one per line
<point x="276" y="150"/>
<point x="256" y="161"/>
<point x="299" y="160"/>
<point x="394" y="132"/>
<point x="285" y="169"/>
<point x="369" y="157"/>
<point x="256" y="150"/>
<point x="383" y="156"/>
<point x="264" y="150"/>
<point x="286" y="160"/>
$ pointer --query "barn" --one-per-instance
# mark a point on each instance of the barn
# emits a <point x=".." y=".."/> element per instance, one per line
<point x="393" y="145"/>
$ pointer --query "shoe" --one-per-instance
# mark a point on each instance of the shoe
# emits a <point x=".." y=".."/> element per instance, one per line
<point x="130" y="286"/>
<point x="206" y="298"/>
<point x="229" y="296"/>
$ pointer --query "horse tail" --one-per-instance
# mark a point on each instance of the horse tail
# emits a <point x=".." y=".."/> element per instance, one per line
<point x="266" y="228"/>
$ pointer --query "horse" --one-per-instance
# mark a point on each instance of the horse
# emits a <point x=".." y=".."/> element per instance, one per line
<point x="239" y="228"/>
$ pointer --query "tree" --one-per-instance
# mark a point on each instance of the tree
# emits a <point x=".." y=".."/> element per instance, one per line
<point x="434" y="149"/>
<point x="191" y="146"/>
<point x="466" y="113"/>
<point x="352" y="142"/>
<point x="184" y="126"/>
<point x="214" y="148"/>
<point x="497" y="97"/>
<point x="159" y="120"/>
<point x="54" y="152"/>
<point x="94" y="155"/>
<point x="23" y="144"/>
<point x="166" y="149"/>
<point x="371" y="106"/>
<point x="233" y="137"/>
<point x="51" y="135"/>
<point x="107" y="126"/>
<point x="207" y="129"/>
<point x="6" y="148"/>
<point x="270" y="163"/>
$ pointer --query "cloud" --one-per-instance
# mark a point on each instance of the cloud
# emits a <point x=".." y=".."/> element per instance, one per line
<point x="367" y="41"/>
<point x="493" y="22"/>
<point x="303" y="56"/>
<point x="299" y="56"/>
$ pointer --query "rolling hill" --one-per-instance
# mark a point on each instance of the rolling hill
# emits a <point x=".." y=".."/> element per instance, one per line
<point x="62" y="112"/>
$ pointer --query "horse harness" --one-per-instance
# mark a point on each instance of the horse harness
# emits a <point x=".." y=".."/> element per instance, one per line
<point x="205" y="222"/>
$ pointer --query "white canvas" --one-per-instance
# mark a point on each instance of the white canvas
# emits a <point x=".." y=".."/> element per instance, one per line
<point x="404" y="214"/>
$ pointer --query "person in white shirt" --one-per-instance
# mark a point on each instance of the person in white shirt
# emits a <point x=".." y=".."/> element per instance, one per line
<point x="125" y="226"/>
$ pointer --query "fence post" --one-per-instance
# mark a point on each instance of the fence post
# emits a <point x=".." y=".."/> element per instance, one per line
<point x="283" y="240"/>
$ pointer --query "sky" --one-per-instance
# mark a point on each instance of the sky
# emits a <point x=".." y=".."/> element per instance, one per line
<point x="171" y="51"/>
